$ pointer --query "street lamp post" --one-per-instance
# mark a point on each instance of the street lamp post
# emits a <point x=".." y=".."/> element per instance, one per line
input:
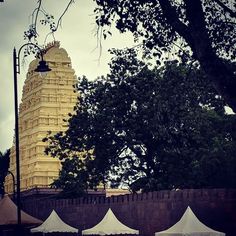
<point x="42" y="68"/>
<point x="14" y="185"/>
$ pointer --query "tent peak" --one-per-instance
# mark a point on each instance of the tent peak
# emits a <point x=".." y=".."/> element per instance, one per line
<point x="189" y="224"/>
<point x="109" y="225"/>
<point x="8" y="213"/>
<point x="54" y="224"/>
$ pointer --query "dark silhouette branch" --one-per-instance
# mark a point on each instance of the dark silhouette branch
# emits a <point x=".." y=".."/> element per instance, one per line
<point x="63" y="13"/>
<point x="38" y="9"/>
<point x="226" y="8"/>
<point x="217" y="69"/>
<point x="32" y="32"/>
<point x="173" y="20"/>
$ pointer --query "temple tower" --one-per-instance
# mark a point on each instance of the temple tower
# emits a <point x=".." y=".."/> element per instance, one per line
<point x="45" y="103"/>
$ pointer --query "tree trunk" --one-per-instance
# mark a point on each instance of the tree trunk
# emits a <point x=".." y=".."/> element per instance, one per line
<point x="222" y="78"/>
<point x="217" y="70"/>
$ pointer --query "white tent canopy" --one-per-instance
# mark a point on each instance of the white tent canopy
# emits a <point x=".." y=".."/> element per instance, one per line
<point x="109" y="225"/>
<point x="189" y="225"/>
<point x="54" y="224"/>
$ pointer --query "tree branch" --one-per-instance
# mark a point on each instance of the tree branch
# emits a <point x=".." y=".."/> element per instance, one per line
<point x="63" y="13"/>
<point x="217" y="69"/>
<point x="226" y="9"/>
<point x="201" y="45"/>
<point x="174" y="21"/>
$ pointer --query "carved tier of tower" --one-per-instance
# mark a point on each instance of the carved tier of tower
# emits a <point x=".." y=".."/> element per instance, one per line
<point x="45" y="103"/>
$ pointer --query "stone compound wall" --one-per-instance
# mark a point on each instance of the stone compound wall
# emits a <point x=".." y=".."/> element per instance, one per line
<point x="149" y="212"/>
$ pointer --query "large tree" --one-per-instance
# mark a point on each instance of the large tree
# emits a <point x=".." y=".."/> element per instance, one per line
<point x="202" y="30"/>
<point x="149" y="128"/>
<point x="4" y="165"/>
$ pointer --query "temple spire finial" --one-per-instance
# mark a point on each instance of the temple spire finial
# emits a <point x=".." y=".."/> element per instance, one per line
<point x="52" y="44"/>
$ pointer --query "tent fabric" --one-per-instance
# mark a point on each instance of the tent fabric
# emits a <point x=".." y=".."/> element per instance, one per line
<point x="189" y="225"/>
<point x="8" y="214"/>
<point x="54" y="224"/>
<point x="109" y="225"/>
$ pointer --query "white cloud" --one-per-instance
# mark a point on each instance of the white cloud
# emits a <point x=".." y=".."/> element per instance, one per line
<point x="76" y="36"/>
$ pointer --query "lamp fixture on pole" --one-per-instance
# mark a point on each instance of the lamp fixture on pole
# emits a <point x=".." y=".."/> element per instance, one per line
<point x="42" y="68"/>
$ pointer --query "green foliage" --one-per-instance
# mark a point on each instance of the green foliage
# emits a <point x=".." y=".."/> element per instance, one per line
<point x="199" y="30"/>
<point x="4" y="165"/>
<point x="151" y="129"/>
<point x="153" y="22"/>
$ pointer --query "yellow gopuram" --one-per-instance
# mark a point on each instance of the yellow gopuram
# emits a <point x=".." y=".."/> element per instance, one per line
<point x="45" y="103"/>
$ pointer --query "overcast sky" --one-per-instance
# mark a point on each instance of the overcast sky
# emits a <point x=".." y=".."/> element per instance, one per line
<point x="76" y="36"/>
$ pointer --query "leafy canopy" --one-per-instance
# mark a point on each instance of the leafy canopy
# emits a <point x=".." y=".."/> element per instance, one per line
<point x="147" y="128"/>
<point x="199" y="30"/>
